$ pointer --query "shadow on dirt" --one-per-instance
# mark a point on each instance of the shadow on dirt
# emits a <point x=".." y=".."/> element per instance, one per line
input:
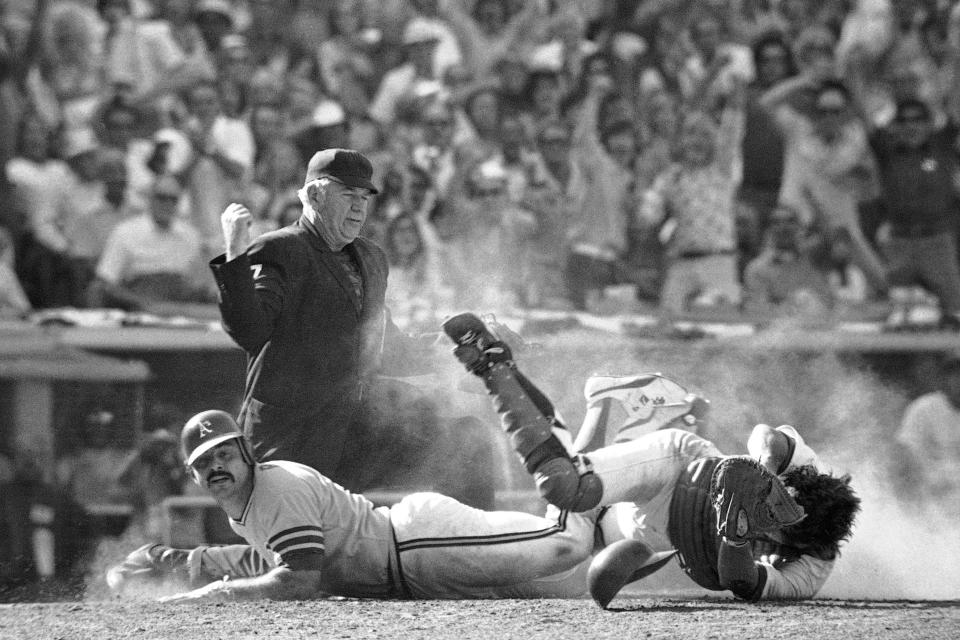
<point x="58" y="590"/>
<point x="883" y="604"/>
<point x="687" y="606"/>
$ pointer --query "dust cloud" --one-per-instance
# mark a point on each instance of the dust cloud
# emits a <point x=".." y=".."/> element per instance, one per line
<point x="905" y="542"/>
<point x="898" y="551"/>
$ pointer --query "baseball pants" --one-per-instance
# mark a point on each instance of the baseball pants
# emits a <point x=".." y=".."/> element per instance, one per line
<point x="445" y="549"/>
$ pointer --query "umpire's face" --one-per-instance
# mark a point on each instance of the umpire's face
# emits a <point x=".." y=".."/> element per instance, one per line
<point x="340" y="208"/>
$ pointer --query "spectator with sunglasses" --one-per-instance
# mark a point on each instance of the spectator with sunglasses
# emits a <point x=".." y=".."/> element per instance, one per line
<point x="919" y="172"/>
<point x="152" y="258"/>
<point x="829" y="169"/>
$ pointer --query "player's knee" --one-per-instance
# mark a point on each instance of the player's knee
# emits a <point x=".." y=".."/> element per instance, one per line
<point x="570" y="551"/>
<point x="562" y="485"/>
<point x="687" y="445"/>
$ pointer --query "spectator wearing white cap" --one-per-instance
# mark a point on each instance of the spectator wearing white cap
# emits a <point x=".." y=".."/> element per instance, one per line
<point x="327" y="128"/>
<point x="414" y="77"/>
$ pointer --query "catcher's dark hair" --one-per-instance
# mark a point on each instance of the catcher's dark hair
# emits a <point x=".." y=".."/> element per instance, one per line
<point x="831" y="505"/>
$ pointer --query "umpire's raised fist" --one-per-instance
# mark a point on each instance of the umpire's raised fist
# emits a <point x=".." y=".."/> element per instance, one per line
<point x="235" y="221"/>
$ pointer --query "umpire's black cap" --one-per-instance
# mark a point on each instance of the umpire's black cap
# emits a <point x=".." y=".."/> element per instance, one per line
<point x="346" y="165"/>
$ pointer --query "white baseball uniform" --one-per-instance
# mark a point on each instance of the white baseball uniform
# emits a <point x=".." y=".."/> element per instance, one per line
<point x="425" y="546"/>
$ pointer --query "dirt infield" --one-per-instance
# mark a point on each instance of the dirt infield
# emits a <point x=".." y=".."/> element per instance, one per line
<point x="630" y="617"/>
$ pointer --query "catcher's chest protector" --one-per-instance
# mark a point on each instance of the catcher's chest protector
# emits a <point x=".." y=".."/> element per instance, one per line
<point x="693" y="524"/>
<point x="693" y="527"/>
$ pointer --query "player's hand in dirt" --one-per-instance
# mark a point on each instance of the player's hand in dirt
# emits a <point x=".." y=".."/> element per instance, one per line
<point x="219" y="590"/>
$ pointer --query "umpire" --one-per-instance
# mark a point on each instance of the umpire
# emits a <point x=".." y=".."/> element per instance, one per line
<point x="306" y="303"/>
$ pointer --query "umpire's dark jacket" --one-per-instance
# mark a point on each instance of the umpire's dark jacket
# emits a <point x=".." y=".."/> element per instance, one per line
<point x="310" y="342"/>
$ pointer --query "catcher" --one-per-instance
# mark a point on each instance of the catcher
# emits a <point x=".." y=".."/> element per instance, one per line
<point x="764" y="526"/>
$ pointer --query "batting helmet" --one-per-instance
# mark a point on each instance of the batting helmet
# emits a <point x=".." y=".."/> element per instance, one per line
<point x="206" y="430"/>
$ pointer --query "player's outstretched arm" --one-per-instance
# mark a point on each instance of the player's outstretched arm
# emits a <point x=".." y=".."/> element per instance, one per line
<point x="281" y="583"/>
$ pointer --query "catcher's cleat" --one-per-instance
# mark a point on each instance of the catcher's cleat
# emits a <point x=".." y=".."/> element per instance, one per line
<point x="619" y="564"/>
<point x="477" y="348"/>
<point x="623" y="408"/>
<point x="150" y="563"/>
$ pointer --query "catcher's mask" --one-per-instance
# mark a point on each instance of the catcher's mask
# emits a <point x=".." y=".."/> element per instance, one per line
<point x="206" y="430"/>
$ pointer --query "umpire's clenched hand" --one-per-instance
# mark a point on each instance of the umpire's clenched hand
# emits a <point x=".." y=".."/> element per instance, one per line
<point x="235" y="221"/>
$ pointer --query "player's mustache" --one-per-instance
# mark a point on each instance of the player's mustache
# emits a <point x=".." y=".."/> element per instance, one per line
<point x="215" y="475"/>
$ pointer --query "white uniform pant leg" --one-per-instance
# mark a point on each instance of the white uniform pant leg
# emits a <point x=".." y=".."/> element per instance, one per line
<point x="639" y="478"/>
<point x="447" y="549"/>
<point x="639" y="470"/>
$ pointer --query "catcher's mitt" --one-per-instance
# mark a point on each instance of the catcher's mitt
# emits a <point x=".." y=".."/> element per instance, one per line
<point x="750" y="501"/>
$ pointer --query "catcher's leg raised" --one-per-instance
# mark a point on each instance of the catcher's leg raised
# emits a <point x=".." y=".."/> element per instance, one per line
<point x="563" y="479"/>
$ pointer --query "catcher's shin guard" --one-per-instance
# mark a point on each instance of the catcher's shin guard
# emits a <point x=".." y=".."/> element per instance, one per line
<point x="527" y="417"/>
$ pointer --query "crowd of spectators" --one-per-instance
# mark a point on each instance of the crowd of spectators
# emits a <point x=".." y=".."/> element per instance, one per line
<point x="755" y="155"/>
